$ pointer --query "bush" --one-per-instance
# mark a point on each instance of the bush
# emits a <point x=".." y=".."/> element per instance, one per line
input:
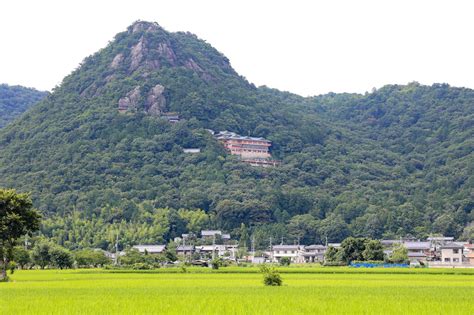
<point x="334" y="264"/>
<point x="285" y="261"/>
<point x="142" y="266"/>
<point x="271" y="277"/>
<point x="216" y="263"/>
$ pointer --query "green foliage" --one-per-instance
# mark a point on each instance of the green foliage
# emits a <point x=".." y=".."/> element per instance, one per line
<point x="216" y="263"/>
<point x="91" y="258"/>
<point x="373" y="251"/>
<point x="61" y="258"/>
<point x="21" y="256"/>
<point x="399" y="254"/>
<point x="334" y="257"/>
<point x="271" y="277"/>
<point x="41" y="254"/>
<point x="14" y="100"/>
<point x="17" y="218"/>
<point x="353" y="249"/>
<point x="285" y="261"/>
<point x="394" y="162"/>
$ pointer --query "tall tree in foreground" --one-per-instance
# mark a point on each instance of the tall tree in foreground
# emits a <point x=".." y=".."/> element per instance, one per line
<point x="17" y="218"/>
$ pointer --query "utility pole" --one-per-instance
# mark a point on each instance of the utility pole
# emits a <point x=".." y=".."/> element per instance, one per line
<point x="213" y="246"/>
<point x="253" y="245"/>
<point x="271" y="249"/>
<point x="116" y="250"/>
<point x="26" y="241"/>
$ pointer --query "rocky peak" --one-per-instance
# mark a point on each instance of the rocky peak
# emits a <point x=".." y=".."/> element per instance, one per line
<point x="143" y="26"/>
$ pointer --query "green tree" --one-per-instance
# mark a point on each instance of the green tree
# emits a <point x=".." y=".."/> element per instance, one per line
<point x="285" y="261"/>
<point x="17" y="218"/>
<point x="41" y="254"/>
<point x="399" y="254"/>
<point x="61" y="257"/>
<point x="373" y="250"/>
<point x="353" y="248"/>
<point x="244" y="237"/>
<point x="21" y="256"/>
<point x="333" y="255"/>
<point x="88" y="258"/>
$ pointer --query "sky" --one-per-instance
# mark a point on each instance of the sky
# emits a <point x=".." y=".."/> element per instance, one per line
<point x="305" y="47"/>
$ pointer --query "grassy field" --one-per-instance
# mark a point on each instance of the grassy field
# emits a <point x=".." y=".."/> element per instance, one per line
<point x="240" y="291"/>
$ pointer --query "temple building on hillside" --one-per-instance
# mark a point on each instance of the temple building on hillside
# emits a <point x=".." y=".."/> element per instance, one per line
<point x="252" y="150"/>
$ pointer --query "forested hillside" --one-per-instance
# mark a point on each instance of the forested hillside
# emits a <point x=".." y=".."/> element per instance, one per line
<point x="14" y="100"/>
<point x="394" y="162"/>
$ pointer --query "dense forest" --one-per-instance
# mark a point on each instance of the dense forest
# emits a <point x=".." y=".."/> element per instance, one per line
<point x="14" y="100"/>
<point x="394" y="162"/>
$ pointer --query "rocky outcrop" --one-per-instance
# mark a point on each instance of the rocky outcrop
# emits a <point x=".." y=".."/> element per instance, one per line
<point x="137" y="54"/>
<point x="130" y="101"/>
<point x="141" y="26"/>
<point x="156" y="101"/>
<point x="164" y="50"/>
<point x="191" y="64"/>
<point x="117" y="61"/>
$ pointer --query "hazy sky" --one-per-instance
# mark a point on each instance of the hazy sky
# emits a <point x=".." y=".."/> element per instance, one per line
<point x="306" y="47"/>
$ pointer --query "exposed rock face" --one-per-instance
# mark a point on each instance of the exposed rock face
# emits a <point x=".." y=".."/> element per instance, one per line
<point x="141" y="26"/>
<point x="130" y="101"/>
<point x="137" y="53"/>
<point x="165" y="51"/>
<point x="156" y="101"/>
<point x="117" y="61"/>
<point x="191" y="64"/>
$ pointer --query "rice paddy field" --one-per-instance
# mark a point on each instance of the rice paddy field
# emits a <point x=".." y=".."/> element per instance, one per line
<point x="240" y="291"/>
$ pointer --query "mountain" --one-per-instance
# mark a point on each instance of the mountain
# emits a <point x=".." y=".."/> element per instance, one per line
<point x="100" y="158"/>
<point x="14" y="100"/>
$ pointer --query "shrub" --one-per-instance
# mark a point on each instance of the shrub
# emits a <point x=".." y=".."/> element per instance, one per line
<point x="142" y="266"/>
<point x="271" y="277"/>
<point x="216" y="263"/>
<point x="285" y="261"/>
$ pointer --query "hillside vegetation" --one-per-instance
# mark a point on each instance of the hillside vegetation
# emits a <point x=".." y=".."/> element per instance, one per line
<point x="394" y="162"/>
<point x="14" y="100"/>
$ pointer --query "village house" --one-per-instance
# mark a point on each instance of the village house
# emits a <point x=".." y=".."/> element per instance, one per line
<point x="209" y="234"/>
<point x="312" y="253"/>
<point x="290" y="251"/>
<point x="208" y="251"/>
<point x="150" y="249"/>
<point x="469" y="253"/>
<point x="185" y="250"/>
<point x="452" y="254"/>
<point x="418" y="252"/>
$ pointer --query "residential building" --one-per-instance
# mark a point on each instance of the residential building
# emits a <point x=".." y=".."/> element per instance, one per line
<point x="452" y="254"/>
<point x="418" y="252"/>
<point x="210" y="233"/>
<point x="290" y="251"/>
<point x="150" y="249"/>
<point x="469" y="253"/>
<point x="212" y="250"/>
<point x="312" y="253"/>
<point x="185" y="250"/>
